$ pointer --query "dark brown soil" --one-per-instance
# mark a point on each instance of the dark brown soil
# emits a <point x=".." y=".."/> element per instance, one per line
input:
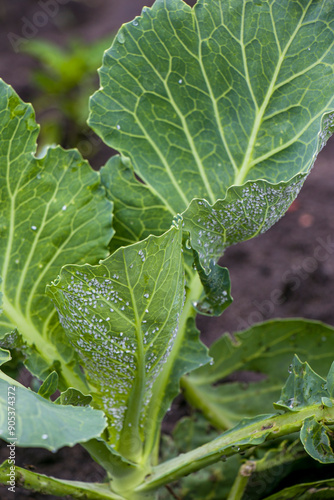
<point x="287" y="272"/>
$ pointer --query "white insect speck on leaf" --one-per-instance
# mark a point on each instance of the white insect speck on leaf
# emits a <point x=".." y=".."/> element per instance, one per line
<point x="64" y="207"/>
<point x="141" y="255"/>
<point x="45" y="436"/>
<point x="118" y="127"/>
<point x="33" y="228"/>
<point x="180" y="81"/>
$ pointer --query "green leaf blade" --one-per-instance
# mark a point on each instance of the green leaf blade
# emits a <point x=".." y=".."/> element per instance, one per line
<point x="138" y="212"/>
<point x="53" y="211"/>
<point x="246" y="211"/>
<point x="49" y="386"/>
<point x="4" y="356"/>
<point x="73" y="397"/>
<point x="216" y="295"/>
<point x="57" y="425"/>
<point x="219" y="95"/>
<point x="261" y="350"/>
<point x="317" y="490"/>
<point x="315" y="438"/>
<point x="303" y="388"/>
<point x="122" y="315"/>
<point x="330" y="381"/>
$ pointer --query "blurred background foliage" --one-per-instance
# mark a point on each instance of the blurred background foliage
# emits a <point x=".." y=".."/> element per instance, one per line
<point x="50" y="51"/>
<point x="64" y="79"/>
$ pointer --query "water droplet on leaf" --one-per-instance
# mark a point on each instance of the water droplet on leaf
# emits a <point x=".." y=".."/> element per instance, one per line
<point x="121" y="37"/>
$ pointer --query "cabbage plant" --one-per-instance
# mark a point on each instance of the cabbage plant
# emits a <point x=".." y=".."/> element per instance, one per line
<point x="218" y="113"/>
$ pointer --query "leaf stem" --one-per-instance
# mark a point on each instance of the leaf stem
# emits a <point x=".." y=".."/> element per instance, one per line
<point x="59" y="487"/>
<point x="195" y="289"/>
<point x="240" y="484"/>
<point x="130" y="444"/>
<point x="248" y="433"/>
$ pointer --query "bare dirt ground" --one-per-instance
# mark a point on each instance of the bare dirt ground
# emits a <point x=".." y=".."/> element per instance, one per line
<point x="287" y="272"/>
